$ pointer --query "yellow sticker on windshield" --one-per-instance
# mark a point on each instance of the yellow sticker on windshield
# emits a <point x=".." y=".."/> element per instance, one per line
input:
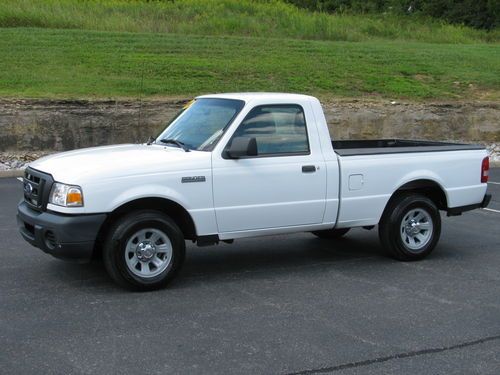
<point x="188" y="104"/>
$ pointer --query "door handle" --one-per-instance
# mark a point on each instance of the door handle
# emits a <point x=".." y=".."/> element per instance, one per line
<point x="308" y="169"/>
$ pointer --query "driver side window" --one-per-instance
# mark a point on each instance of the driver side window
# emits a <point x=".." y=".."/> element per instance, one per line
<point x="278" y="129"/>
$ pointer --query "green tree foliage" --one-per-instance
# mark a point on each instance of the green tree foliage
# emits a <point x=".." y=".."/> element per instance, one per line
<point x="335" y="6"/>
<point x="481" y="14"/>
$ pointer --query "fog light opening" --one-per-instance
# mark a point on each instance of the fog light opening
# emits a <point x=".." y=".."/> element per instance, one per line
<point x="50" y="240"/>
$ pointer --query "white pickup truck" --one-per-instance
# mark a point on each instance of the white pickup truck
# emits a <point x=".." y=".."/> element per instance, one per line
<point x="241" y="165"/>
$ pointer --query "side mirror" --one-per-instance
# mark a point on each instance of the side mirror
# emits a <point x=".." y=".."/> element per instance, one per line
<point x="241" y="147"/>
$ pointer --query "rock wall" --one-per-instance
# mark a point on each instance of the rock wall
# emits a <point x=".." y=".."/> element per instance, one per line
<point x="32" y="125"/>
<point x="470" y="122"/>
<point x="66" y="125"/>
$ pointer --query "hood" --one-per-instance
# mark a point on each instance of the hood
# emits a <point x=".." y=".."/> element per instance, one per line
<point x="76" y="167"/>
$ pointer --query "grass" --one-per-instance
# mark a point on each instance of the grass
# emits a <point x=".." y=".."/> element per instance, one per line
<point x="127" y="48"/>
<point x="261" y="18"/>
<point x="52" y="63"/>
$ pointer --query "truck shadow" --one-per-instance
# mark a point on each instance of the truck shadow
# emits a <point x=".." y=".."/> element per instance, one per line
<point x="273" y="253"/>
<point x="248" y="258"/>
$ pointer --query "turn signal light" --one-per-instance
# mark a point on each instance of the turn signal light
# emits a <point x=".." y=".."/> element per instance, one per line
<point x="74" y="197"/>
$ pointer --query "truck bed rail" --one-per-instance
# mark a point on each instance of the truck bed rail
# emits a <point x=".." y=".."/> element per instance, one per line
<point x="394" y="146"/>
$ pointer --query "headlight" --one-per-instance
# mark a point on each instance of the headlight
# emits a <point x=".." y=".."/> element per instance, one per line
<point x="66" y="195"/>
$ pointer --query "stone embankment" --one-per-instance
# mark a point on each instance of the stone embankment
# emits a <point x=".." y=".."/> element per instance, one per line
<point x="32" y="128"/>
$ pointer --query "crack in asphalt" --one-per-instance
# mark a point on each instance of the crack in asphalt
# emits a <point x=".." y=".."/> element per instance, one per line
<point x="417" y="353"/>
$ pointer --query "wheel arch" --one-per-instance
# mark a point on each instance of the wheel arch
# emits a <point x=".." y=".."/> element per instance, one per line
<point x="173" y="209"/>
<point x="427" y="187"/>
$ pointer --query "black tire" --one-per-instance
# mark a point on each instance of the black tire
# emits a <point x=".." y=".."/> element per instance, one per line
<point x="397" y="223"/>
<point x="331" y="233"/>
<point x="119" y="235"/>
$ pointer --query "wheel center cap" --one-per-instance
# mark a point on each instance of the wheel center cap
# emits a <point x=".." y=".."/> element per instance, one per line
<point x="145" y="251"/>
<point x="412" y="228"/>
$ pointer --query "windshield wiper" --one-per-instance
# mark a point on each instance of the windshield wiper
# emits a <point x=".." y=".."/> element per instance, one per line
<point x="175" y="142"/>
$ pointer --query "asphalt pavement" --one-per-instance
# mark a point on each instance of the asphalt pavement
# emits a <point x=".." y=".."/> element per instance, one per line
<point x="274" y="305"/>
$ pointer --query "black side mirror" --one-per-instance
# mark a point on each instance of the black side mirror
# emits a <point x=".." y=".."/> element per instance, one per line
<point x="241" y="147"/>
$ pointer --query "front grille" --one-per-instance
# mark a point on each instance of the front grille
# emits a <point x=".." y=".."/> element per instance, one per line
<point x="36" y="186"/>
<point x="32" y="189"/>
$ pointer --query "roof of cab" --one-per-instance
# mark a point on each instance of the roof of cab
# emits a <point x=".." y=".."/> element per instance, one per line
<point x="248" y="96"/>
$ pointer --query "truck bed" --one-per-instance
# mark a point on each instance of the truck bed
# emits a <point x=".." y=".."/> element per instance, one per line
<point x="394" y="146"/>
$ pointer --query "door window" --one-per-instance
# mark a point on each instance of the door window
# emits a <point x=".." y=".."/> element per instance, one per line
<point x="278" y="129"/>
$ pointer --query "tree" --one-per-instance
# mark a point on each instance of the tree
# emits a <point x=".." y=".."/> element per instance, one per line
<point x="482" y="14"/>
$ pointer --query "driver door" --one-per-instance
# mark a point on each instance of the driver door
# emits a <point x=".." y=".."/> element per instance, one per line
<point x="283" y="186"/>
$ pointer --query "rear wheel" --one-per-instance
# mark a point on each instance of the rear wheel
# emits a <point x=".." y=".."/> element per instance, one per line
<point x="331" y="233"/>
<point x="144" y="250"/>
<point x="410" y="227"/>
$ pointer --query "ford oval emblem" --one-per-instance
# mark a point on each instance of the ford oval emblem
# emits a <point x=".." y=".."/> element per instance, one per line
<point x="28" y="188"/>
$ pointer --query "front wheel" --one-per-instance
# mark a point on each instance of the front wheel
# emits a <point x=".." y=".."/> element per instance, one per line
<point x="143" y="250"/>
<point x="410" y="227"/>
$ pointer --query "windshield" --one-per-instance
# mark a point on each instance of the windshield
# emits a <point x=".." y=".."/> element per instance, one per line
<point x="200" y="125"/>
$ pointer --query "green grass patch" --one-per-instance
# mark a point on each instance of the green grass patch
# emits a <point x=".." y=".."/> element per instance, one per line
<point x="264" y="18"/>
<point x="94" y="64"/>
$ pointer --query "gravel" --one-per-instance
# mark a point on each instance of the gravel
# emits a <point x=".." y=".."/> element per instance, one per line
<point x="19" y="159"/>
<point x="494" y="151"/>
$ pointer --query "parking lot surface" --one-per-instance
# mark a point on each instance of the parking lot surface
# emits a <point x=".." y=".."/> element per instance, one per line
<point x="274" y="305"/>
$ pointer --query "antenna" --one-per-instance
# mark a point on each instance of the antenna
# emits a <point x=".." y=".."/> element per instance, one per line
<point x="140" y="96"/>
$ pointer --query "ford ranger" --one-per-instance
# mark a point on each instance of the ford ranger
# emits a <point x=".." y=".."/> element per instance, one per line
<point x="230" y="166"/>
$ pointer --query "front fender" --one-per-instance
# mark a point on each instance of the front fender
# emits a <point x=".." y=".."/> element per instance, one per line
<point x="148" y="191"/>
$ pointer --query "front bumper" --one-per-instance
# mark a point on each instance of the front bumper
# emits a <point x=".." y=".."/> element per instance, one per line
<point x="69" y="237"/>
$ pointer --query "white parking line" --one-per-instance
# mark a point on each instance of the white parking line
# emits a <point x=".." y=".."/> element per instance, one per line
<point x="492" y="210"/>
<point x="20" y="179"/>
<point x="494" y="183"/>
